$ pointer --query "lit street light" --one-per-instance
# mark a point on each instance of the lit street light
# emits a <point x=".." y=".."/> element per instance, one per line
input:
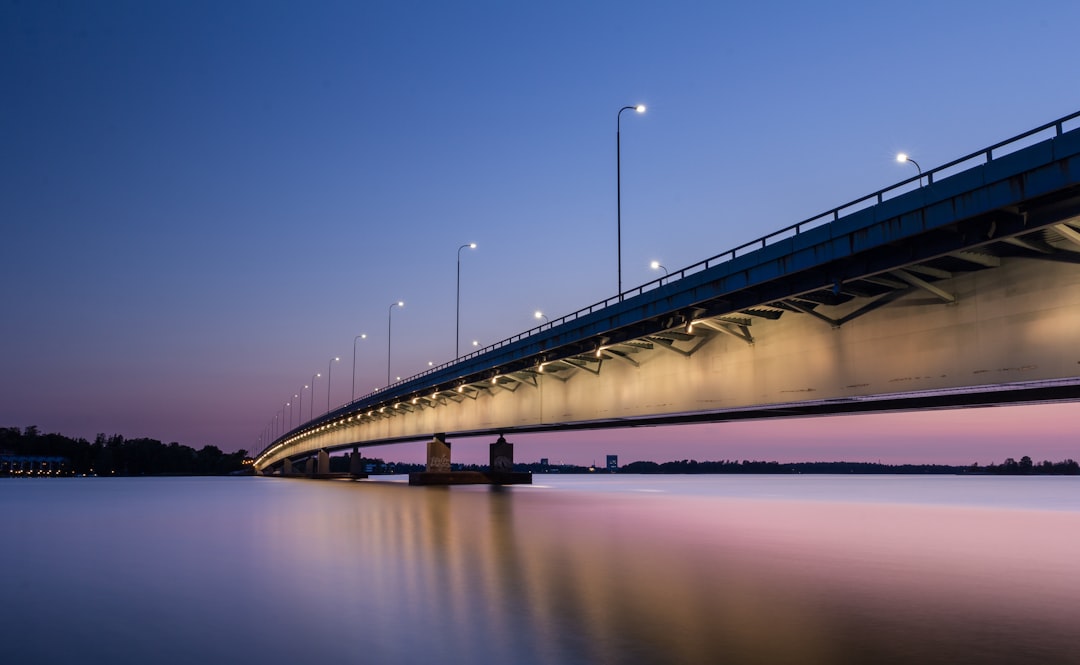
<point x="300" y="404"/>
<point x="457" y="316"/>
<point x="389" y="322"/>
<point x="903" y="157"/>
<point x="640" y="108"/>
<point x="329" y="369"/>
<point x="355" y="339"/>
<point x="311" y="410"/>
<point x="540" y="315"/>
<point x="655" y="265"/>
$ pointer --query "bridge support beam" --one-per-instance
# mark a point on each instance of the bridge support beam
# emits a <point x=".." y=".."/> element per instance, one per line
<point x="286" y="467"/>
<point x="323" y="464"/>
<point x="309" y="467"/>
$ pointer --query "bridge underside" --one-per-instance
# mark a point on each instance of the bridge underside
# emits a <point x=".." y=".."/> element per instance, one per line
<point x="981" y="310"/>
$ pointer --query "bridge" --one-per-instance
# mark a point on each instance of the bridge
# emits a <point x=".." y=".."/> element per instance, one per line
<point x="957" y="287"/>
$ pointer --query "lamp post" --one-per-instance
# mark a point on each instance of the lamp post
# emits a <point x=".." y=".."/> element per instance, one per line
<point x="655" y="265"/>
<point x="389" y="323"/>
<point x="295" y="397"/>
<point x="311" y="409"/>
<point x="903" y="157"/>
<point x="355" y="340"/>
<point x="457" y="317"/>
<point x="640" y="108"/>
<point x="300" y="404"/>
<point x="540" y="315"/>
<point x="329" y="369"/>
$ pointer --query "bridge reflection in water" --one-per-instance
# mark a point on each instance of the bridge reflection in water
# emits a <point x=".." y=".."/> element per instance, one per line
<point x="639" y="575"/>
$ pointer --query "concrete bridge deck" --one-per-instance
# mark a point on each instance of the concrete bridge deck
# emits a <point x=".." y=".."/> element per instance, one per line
<point x="988" y="230"/>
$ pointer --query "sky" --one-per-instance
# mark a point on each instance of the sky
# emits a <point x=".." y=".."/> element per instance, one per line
<point x="203" y="203"/>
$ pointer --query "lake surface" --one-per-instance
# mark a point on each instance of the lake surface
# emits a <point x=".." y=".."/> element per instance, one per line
<point x="574" y="569"/>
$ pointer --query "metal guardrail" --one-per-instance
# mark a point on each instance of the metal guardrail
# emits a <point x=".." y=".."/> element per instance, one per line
<point x="831" y="215"/>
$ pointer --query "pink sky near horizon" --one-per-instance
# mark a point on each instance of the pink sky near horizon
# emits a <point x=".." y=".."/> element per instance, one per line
<point x="957" y="437"/>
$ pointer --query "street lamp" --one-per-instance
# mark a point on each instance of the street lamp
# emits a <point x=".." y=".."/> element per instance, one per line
<point x="311" y="410"/>
<point x="540" y="315"/>
<point x="329" y="369"/>
<point x="655" y="265"/>
<point x="640" y="108"/>
<point x="389" y="322"/>
<point x="355" y="340"/>
<point x="902" y="157"/>
<point x="457" y="319"/>
<point x="295" y="397"/>
<point x="300" y="404"/>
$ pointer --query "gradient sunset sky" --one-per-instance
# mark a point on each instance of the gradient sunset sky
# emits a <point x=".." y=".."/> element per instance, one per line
<point x="203" y="203"/>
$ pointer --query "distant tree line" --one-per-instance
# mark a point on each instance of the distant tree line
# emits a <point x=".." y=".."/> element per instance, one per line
<point x="1010" y="467"/>
<point x="748" y="467"/>
<point x="115" y="455"/>
<point x="1026" y="467"/>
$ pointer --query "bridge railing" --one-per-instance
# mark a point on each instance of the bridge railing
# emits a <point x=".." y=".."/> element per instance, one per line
<point x="982" y="156"/>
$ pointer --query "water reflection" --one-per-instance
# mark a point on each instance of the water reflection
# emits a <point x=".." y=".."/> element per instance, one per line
<point x="525" y="575"/>
<point x="278" y="571"/>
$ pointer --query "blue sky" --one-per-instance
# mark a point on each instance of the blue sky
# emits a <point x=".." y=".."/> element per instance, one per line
<point x="204" y="202"/>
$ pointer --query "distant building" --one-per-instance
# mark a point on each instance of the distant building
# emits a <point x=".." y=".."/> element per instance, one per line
<point x="612" y="463"/>
<point x="544" y="461"/>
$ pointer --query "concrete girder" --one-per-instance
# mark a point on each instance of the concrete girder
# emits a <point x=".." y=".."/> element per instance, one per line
<point x="739" y="330"/>
<point x="529" y="380"/>
<point x="1069" y="233"/>
<point x="924" y="285"/>
<point x="929" y="271"/>
<point x="582" y="362"/>
<point x="617" y="353"/>
<point x="1030" y="245"/>
<point x="978" y="258"/>
<point x="701" y="340"/>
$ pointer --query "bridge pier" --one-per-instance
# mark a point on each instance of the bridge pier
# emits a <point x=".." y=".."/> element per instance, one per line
<point x="356" y="464"/>
<point x="501" y="464"/>
<point x="438" y="471"/>
<point x="286" y="467"/>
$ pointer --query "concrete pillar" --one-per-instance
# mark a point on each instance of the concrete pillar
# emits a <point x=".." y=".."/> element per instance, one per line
<point x="324" y="462"/>
<point x="438" y="454"/>
<point x="356" y="463"/>
<point x="309" y="467"/>
<point x="286" y="467"/>
<point x="501" y="456"/>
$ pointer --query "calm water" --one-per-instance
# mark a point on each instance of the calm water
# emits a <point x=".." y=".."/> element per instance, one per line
<point x="595" y="569"/>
